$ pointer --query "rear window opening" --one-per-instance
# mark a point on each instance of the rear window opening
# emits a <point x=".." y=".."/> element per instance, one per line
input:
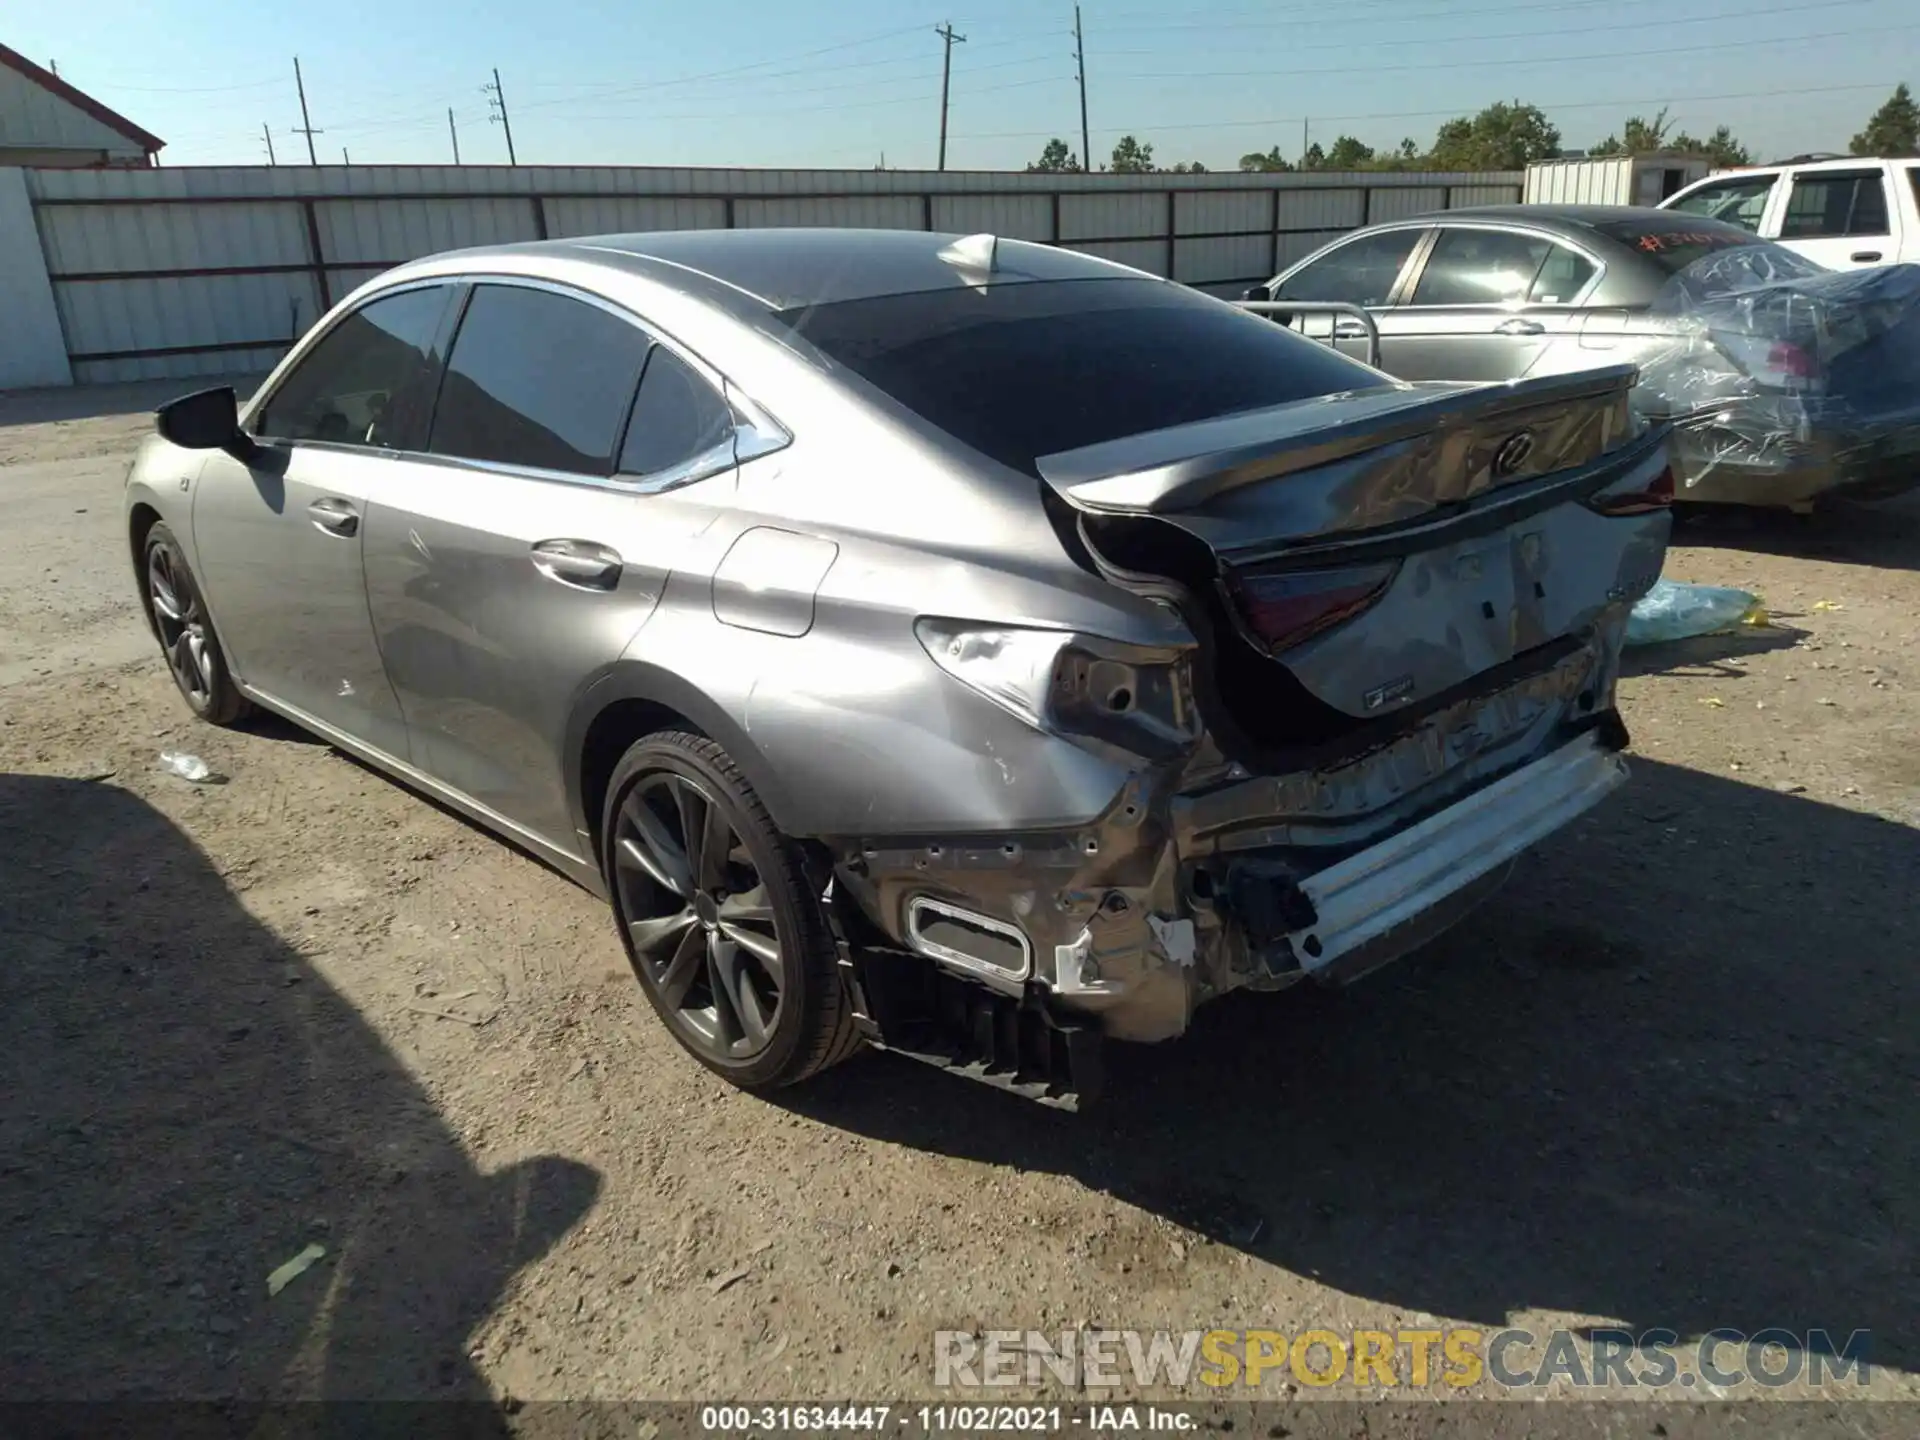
<point x="1024" y="369"/>
<point x="1675" y="245"/>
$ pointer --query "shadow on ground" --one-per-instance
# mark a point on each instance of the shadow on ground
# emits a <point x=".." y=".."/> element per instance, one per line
<point x="1670" y="1077"/>
<point x="1883" y="535"/>
<point x="185" y="1104"/>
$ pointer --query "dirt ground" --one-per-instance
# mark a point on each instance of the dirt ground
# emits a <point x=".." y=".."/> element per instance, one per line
<point x="1669" y="1077"/>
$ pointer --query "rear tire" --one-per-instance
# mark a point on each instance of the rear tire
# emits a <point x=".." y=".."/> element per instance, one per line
<point x="188" y="643"/>
<point x="725" y="934"/>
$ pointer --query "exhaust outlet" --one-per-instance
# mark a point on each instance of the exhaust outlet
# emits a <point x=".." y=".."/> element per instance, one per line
<point x="965" y="940"/>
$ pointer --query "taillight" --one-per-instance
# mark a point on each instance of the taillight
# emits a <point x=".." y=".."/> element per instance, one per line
<point x="1638" y="501"/>
<point x="1283" y="608"/>
<point x="1792" y="362"/>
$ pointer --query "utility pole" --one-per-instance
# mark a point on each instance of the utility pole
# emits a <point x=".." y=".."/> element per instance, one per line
<point x="945" y="32"/>
<point x="345" y="159"/>
<point x="267" y="135"/>
<point x="306" y="121"/>
<point x="453" y="135"/>
<point x="1080" y="63"/>
<point x="1306" y="132"/>
<point x="497" y="111"/>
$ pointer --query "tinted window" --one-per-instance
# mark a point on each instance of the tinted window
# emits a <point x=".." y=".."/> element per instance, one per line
<point x="1564" y="275"/>
<point x="1675" y="244"/>
<point x="368" y="380"/>
<point x="1852" y="202"/>
<point x="539" y="380"/>
<point x="1023" y="370"/>
<point x="1739" y="202"/>
<point x="1361" y="272"/>
<point x="676" y="417"/>
<point x="1480" y="267"/>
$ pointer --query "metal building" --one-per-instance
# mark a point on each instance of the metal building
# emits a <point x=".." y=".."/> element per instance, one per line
<point x="45" y="121"/>
<point x="1613" y="179"/>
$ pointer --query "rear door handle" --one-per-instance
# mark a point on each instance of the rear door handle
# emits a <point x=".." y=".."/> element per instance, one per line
<point x="334" y="517"/>
<point x="579" y="563"/>
<point x="1349" y="330"/>
<point x="1517" y="326"/>
<point x="1864" y="257"/>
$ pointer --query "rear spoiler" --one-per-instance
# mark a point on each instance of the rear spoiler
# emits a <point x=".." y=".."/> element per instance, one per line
<point x="1423" y="445"/>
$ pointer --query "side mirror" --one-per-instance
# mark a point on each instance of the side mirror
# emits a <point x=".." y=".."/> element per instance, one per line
<point x="204" y="420"/>
<point x="1257" y="292"/>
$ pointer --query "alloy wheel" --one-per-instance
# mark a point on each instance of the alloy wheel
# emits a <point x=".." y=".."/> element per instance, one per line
<point x="182" y="623"/>
<point x="698" y="913"/>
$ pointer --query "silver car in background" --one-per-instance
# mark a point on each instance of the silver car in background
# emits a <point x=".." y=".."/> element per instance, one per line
<point x="1784" y="382"/>
<point x="963" y="646"/>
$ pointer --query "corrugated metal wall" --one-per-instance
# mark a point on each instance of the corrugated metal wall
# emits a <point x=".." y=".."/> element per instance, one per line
<point x="165" y="273"/>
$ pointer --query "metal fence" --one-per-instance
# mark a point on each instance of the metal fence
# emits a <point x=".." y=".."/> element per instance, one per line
<point x="172" y="273"/>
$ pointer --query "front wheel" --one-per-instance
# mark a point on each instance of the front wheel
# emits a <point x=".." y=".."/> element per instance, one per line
<point x="724" y="933"/>
<point x="180" y="619"/>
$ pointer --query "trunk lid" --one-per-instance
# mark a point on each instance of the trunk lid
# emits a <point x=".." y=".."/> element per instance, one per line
<point x="1355" y="557"/>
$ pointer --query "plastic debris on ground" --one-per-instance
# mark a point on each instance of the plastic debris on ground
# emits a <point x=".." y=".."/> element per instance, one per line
<point x="1675" y="610"/>
<point x="189" y="767"/>
<point x="286" y="1274"/>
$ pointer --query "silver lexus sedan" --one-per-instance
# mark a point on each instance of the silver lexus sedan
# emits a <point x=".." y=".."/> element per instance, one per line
<point x="960" y="646"/>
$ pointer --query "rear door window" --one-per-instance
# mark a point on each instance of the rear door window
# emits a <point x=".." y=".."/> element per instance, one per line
<point x="677" y="417"/>
<point x="1564" y="275"/>
<point x="1022" y="370"/>
<point x="1361" y="272"/>
<point x="1832" y="204"/>
<point x="538" y="380"/>
<point x="1469" y="266"/>
<point x="1740" y="201"/>
<point x="368" y="381"/>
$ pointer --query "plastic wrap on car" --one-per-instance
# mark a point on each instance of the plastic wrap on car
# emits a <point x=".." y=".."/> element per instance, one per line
<point x="1783" y="380"/>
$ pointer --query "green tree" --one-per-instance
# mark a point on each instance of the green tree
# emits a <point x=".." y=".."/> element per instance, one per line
<point x="1501" y="137"/>
<point x="1190" y="167"/>
<point x="1130" y="157"/>
<point x="1272" y="161"/>
<point x="1348" y="153"/>
<point x="1641" y="136"/>
<point x="1055" y="158"/>
<point x="1315" y="158"/>
<point x="1894" y="129"/>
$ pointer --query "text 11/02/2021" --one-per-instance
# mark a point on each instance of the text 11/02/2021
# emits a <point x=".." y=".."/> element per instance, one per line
<point x="939" y="1420"/>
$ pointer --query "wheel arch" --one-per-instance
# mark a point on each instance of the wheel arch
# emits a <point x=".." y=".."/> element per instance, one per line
<point x="632" y="699"/>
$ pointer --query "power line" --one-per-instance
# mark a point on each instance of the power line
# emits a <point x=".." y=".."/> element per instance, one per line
<point x="1481" y="37"/>
<point x="1274" y="121"/>
<point x="306" y="121"/>
<point x="496" y="97"/>
<point x="1582" y="58"/>
<point x="946" y="33"/>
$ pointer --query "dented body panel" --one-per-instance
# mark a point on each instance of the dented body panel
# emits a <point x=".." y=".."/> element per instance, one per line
<point x="1106" y="720"/>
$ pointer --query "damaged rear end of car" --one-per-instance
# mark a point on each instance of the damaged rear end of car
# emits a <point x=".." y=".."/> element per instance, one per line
<point x="1406" y="606"/>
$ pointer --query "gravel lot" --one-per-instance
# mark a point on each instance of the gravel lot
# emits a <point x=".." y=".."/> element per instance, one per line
<point x="1671" y="1077"/>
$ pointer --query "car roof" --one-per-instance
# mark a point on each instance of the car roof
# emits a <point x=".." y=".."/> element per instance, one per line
<point x="784" y="268"/>
<point x="1573" y="220"/>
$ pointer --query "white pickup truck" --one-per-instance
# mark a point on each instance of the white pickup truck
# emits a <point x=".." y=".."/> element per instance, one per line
<point x="1843" y="214"/>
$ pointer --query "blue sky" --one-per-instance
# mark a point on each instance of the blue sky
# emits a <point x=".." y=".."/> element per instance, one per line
<point x="807" y="82"/>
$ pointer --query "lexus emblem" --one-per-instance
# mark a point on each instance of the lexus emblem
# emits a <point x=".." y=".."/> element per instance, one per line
<point x="1512" y="454"/>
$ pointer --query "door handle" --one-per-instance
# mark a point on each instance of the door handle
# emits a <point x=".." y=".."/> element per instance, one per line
<point x="1517" y="326"/>
<point x="1349" y="330"/>
<point x="579" y="563"/>
<point x="334" y="517"/>
<point x="1864" y="257"/>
